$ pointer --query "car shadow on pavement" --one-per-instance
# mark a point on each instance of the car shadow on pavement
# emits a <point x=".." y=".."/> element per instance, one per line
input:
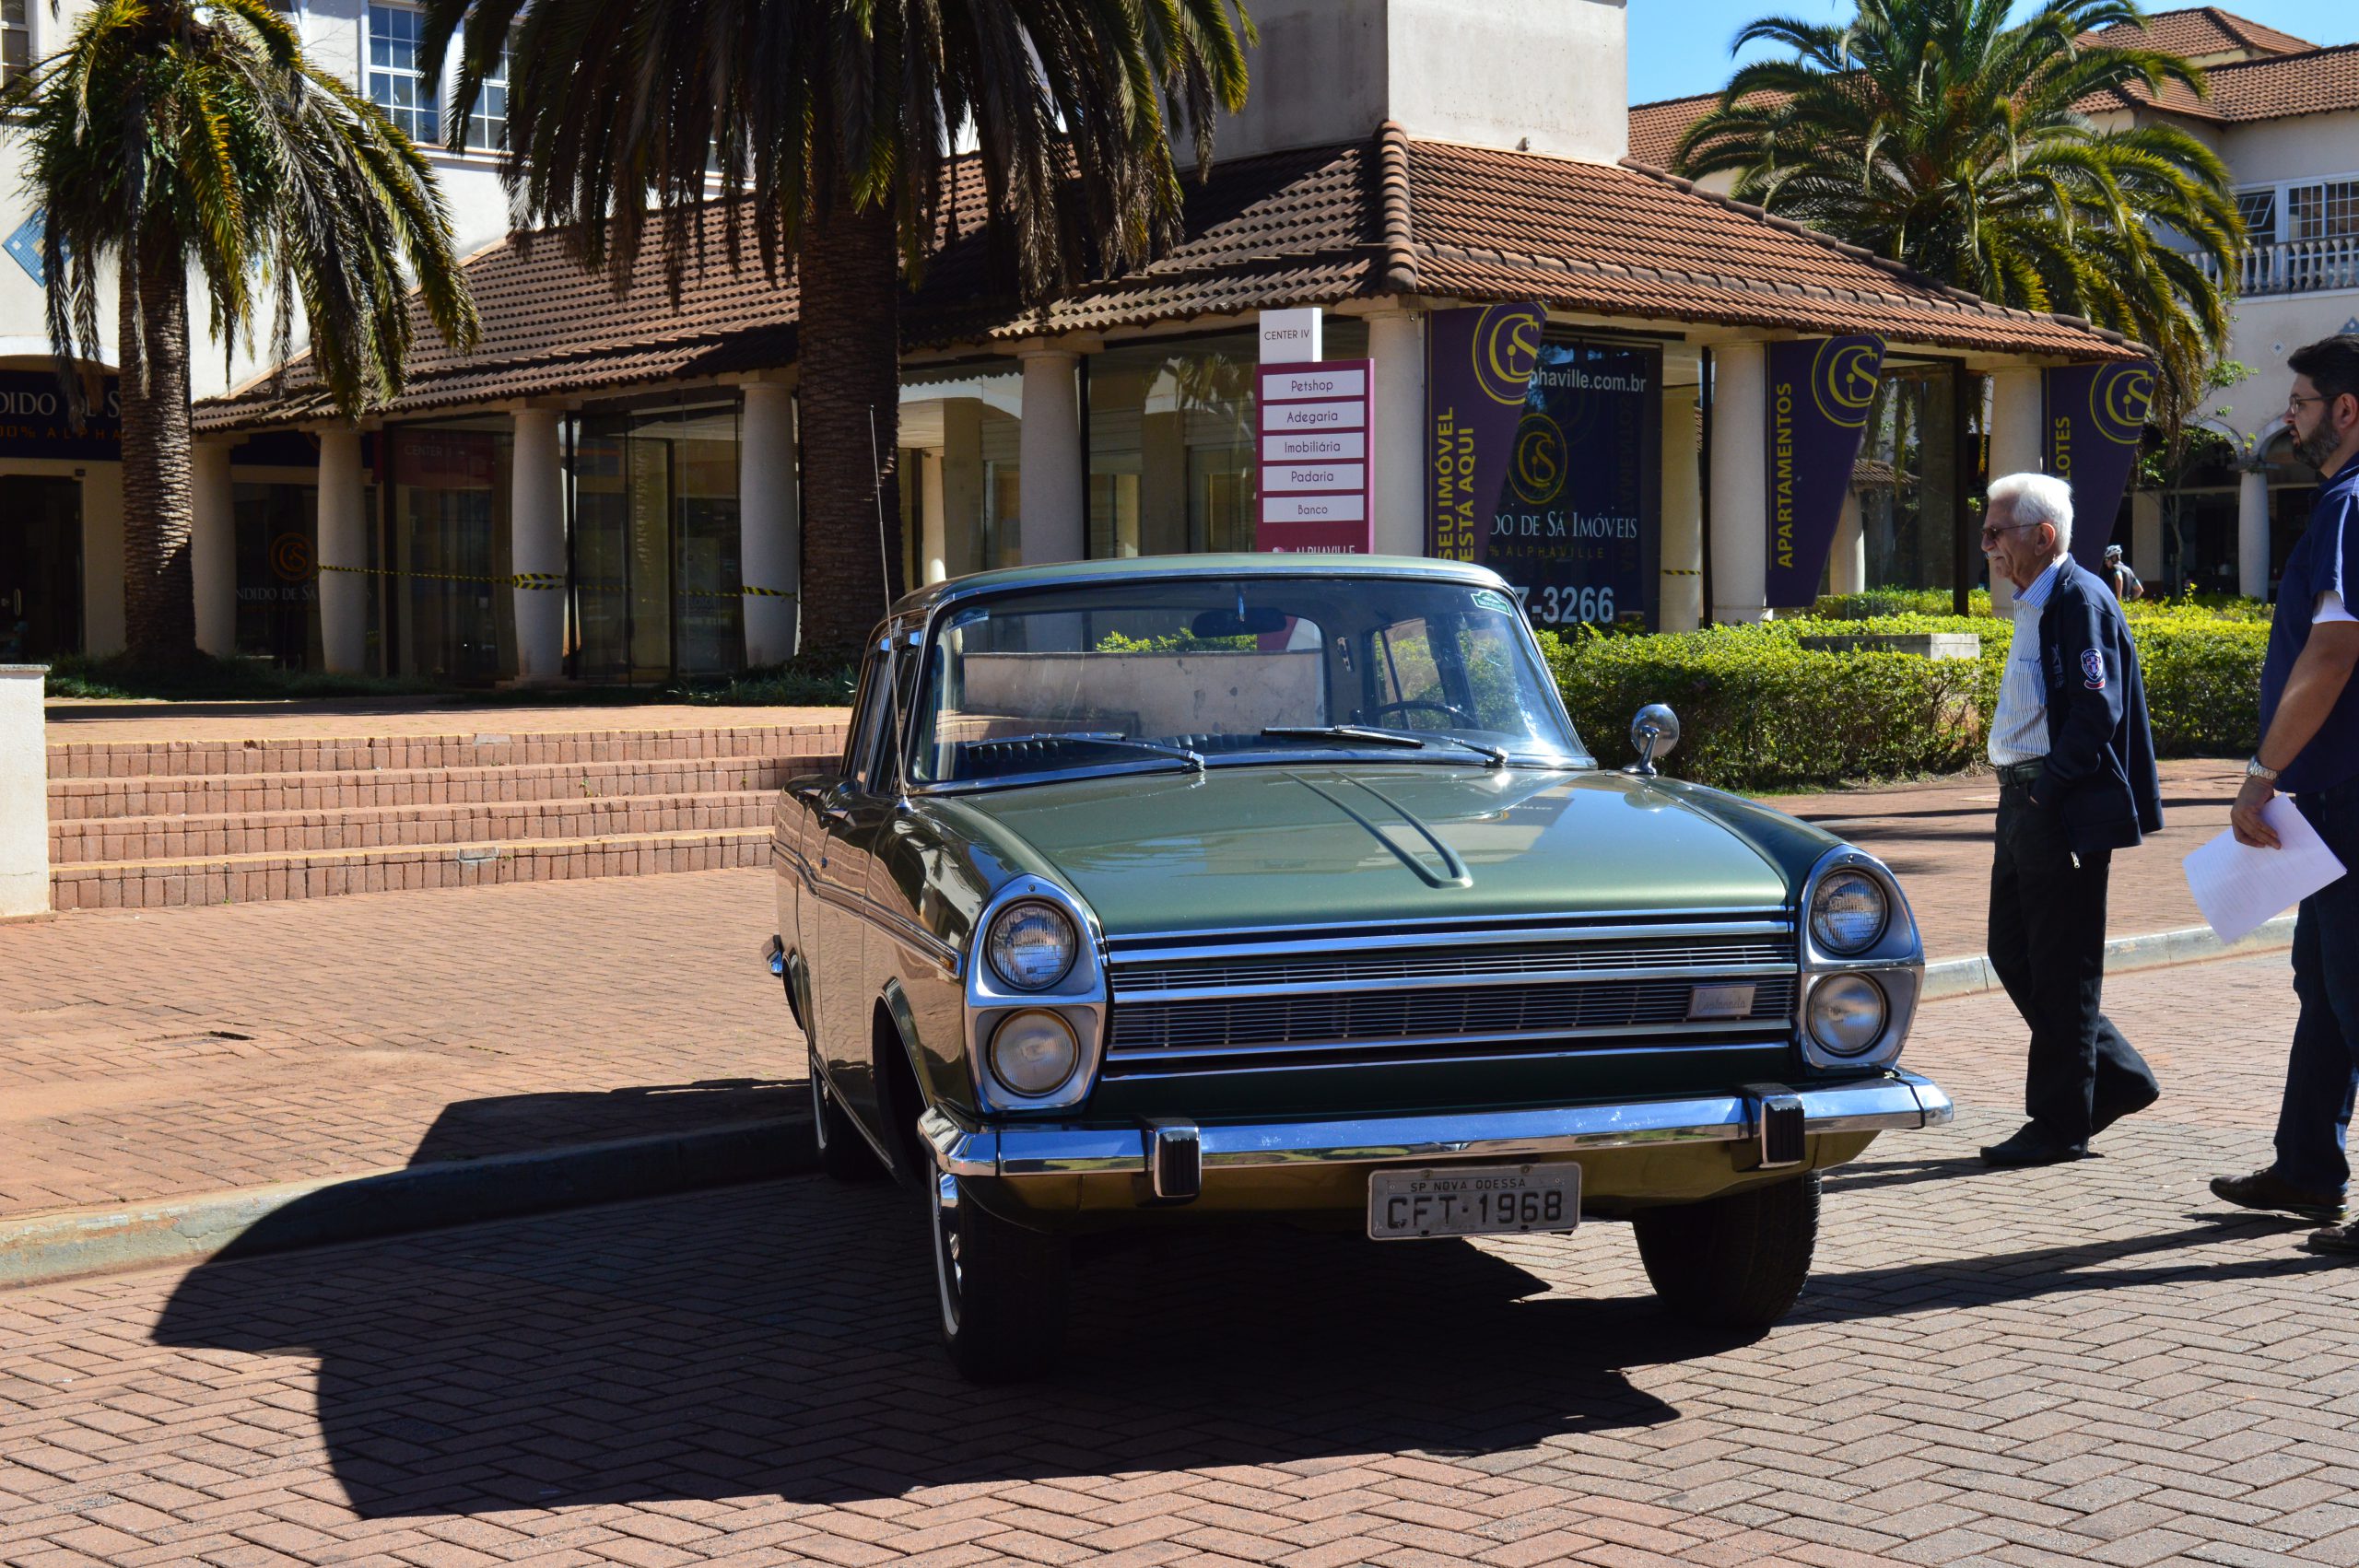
<point x="777" y="1339"/>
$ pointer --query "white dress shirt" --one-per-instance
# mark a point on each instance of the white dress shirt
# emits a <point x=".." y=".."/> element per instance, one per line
<point x="2019" y="727"/>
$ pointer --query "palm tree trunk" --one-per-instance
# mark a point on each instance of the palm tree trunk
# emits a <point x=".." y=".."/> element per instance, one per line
<point x="158" y="494"/>
<point x="848" y="270"/>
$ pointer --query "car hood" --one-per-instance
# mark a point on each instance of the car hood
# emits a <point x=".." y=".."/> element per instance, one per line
<point x="1241" y="848"/>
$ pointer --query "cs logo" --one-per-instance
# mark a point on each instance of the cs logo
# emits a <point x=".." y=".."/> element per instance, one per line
<point x="1539" y="470"/>
<point x="1843" y="378"/>
<point x="2119" y="395"/>
<point x="1506" y="348"/>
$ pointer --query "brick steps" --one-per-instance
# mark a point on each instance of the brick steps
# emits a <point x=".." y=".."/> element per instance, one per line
<point x="81" y="800"/>
<point x="181" y="759"/>
<point x="124" y="839"/>
<point x="140" y="825"/>
<point x="243" y="879"/>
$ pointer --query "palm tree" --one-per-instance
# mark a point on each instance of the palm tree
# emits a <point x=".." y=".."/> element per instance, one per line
<point x="835" y="120"/>
<point x="1934" y="134"/>
<point x="173" y="135"/>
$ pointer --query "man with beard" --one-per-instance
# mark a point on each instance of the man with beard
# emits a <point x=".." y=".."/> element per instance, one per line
<point x="2309" y="749"/>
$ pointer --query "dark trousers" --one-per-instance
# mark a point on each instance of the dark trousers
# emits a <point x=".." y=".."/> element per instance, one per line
<point x="2046" y="942"/>
<point x="2323" y="1069"/>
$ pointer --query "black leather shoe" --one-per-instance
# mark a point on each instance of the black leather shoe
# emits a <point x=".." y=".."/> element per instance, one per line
<point x="2267" y="1189"/>
<point x="2107" y="1115"/>
<point x="2343" y="1239"/>
<point x="2035" y="1145"/>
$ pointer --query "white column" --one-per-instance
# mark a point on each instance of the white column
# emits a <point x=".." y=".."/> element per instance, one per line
<point x="1850" y="566"/>
<point x="770" y="533"/>
<point x="934" y="531"/>
<point x="24" y="792"/>
<point x="343" y="542"/>
<point x="2252" y="533"/>
<point x="1396" y="449"/>
<point x="1682" y="566"/>
<point x="1739" y="483"/>
<point x="2015" y="447"/>
<point x="536" y="545"/>
<point x="213" y="548"/>
<point x="2146" y="538"/>
<point x="1053" y="508"/>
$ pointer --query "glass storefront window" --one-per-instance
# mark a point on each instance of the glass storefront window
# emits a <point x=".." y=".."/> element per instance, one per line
<point x="452" y="485"/>
<point x="1171" y="442"/>
<point x="1911" y="525"/>
<point x="277" y="533"/>
<point x="961" y="481"/>
<point x="657" y="574"/>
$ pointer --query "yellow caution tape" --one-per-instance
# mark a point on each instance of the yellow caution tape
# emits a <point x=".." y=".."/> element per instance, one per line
<point x="1679" y="571"/>
<point x="518" y="579"/>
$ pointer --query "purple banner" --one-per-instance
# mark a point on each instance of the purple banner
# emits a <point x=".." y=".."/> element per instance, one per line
<point x="2094" y="414"/>
<point x="1820" y="392"/>
<point x="1478" y="364"/>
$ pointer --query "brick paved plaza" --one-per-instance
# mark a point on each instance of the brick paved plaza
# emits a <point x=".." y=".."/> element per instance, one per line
<point x="2087" y="1364"/>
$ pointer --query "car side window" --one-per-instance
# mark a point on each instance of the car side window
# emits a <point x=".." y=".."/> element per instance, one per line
<point x="863" y="712"/>
<point x="871" y="758"/>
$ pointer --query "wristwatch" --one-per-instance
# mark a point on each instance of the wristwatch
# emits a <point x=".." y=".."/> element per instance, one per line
<point x="2254" y="770"/>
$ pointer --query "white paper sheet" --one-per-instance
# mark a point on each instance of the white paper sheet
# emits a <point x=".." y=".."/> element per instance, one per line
<point x="2238" y="887"/>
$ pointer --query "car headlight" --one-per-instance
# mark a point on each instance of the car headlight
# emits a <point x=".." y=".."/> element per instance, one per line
<point x="1034" y="1052"/>
<point x="1848" y="912"/>
<point x="1031" y="945"/>
<point x="1847" y="1013"/>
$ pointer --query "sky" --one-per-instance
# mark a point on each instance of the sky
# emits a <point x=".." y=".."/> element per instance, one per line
<point x="1678" y="47"/>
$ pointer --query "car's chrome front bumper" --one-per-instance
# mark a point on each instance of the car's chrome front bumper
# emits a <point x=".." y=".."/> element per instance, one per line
<point x="1894" y="1100"/>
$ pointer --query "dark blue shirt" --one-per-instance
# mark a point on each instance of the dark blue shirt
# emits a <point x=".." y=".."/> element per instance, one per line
<point x="2315" y="567"/>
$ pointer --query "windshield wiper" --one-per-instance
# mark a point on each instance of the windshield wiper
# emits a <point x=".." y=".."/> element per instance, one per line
<point x="1497" y="757"/>
<point x="1106" y="738"/>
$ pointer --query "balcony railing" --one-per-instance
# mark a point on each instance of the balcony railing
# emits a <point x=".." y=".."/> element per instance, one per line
<point x="2294" y="266"/>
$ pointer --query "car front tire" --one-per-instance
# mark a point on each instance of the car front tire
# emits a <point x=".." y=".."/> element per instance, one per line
<point x="1736" y="1261"/>
<point x="999" y="1288"/>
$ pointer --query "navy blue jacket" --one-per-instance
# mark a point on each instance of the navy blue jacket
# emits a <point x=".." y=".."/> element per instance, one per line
<point x="2099" y="775"/>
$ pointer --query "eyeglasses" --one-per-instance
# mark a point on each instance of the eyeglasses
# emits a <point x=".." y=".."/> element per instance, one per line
<point x="2294" y="405"/>
<point x="1990" y="532"/>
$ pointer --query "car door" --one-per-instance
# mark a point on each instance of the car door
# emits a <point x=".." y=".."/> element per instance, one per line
<point x="851" y="815"/>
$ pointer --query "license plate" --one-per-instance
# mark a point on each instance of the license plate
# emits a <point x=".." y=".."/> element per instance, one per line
<point x="1473" y="1200"/>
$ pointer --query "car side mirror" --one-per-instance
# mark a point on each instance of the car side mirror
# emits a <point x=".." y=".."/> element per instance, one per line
<point x="1654" y="732"/>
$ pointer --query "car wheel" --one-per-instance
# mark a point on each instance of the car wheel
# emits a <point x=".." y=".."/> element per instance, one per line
<point x="999" y="1288"/>
<point x="843" y="1154"/>
<point x="1732" y="1262"/>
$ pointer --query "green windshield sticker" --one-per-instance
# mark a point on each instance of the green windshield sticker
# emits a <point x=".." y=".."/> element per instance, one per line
<point x="1490" y="601"/>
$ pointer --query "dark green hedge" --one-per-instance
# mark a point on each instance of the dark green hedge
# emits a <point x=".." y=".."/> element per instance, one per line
<point x="1759" y="711"/>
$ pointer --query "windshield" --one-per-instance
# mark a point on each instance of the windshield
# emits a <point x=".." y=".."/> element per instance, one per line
<point x="1194" y="671"/>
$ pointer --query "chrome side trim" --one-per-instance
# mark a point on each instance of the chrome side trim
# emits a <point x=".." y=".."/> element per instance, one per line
<point x="898" y="927"/>
<point x="1900" y="1101"/>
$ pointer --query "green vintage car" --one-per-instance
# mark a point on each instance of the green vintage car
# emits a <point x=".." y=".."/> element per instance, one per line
<point x="1201" y="888"/>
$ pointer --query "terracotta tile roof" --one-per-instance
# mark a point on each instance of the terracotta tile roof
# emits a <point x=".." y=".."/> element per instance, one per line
<point x="1318" y="226"/>
<point x="2318" y="81"/>
<point x="1655" y="128"/>
<point x="2200" y="31"/>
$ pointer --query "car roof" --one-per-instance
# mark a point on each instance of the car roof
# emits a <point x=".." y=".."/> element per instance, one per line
<point x="1137" y="568"/>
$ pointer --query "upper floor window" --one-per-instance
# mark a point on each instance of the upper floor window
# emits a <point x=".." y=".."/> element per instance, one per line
<point x="395" y="84"/>
<point x="16" y="39"/>
<point x="2323" y="211"/>
<point x="2258" y="209"/>
<point x="487" y="120"/>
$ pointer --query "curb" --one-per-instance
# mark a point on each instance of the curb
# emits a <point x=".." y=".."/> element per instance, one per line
<point x="256" y="1219"/>
<point x="2154" y="950"/>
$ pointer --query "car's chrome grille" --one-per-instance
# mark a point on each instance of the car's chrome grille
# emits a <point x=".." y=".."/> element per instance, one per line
<point x="1421" y="995"/>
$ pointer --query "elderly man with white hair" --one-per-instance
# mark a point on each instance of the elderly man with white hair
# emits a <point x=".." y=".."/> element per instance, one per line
<point x="2076" y="781"/>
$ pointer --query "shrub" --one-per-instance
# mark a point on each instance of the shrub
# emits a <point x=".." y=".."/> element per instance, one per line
<point x="1758" y="711"/>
